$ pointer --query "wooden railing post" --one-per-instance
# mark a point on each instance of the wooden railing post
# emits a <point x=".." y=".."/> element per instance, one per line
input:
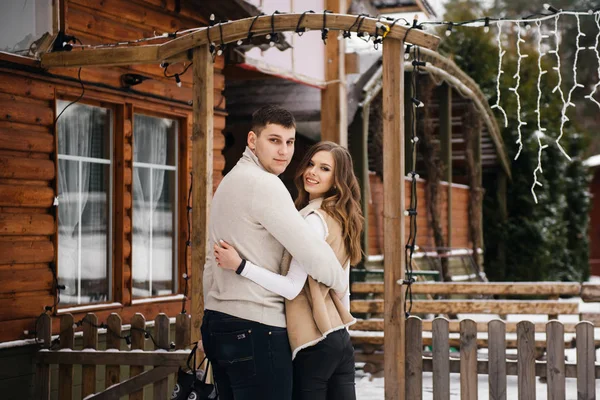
<point x="42" y="375"/>
<point x="586" y="359"/>
<point x="138" y="325"/>
<point x="414" y="358"/>
<point x="555" y="362"/>
<point x="90" y="341"/>
<point x="497" y="359"/>
<point x="161" y="335"/>
<point x="526" y="360"/>
<point x="441" y="360"/>
<point x="65" y="371"/>
<point x="393" y="217"/>
<point x="113" y="341"/>
<point x="468" y="360"/>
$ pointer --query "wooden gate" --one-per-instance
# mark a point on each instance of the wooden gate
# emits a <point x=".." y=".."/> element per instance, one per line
<point x="122" y="349"/>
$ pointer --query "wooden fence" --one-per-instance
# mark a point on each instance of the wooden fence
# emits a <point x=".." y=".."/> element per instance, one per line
<point x="498" y="366"/>
<point x="165" y="357"/>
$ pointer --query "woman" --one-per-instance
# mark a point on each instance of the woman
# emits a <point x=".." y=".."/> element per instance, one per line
<point x="329" y="199"/>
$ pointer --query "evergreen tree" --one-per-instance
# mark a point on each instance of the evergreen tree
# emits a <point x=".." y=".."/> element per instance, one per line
<point x="548" y="240"/>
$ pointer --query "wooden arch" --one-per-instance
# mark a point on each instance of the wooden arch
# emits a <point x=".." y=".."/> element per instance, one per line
<point x="195" y="46"/>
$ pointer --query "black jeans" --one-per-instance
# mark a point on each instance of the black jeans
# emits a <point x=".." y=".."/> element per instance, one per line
<point x="325" y="371"/>
<point x="250" y="360"/>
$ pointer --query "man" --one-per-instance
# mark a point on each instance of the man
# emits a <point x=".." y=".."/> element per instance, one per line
<point x="243" y="330"/>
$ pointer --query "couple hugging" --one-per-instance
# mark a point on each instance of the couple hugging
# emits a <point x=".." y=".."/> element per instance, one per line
<point x="276" y="281"/>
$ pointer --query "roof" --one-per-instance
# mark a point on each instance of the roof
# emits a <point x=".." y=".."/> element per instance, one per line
<point x="225" y="9"/>
<point x="593" y="161"/>
<point x="393" y="4"/>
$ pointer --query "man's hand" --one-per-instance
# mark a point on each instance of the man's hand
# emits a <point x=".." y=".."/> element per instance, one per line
<point x="227" y="257"/>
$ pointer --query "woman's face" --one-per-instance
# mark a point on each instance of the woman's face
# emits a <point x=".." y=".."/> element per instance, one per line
<point x="319" y="174"/>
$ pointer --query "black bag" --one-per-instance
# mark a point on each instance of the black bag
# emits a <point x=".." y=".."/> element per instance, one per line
<point x="191" y="384"/>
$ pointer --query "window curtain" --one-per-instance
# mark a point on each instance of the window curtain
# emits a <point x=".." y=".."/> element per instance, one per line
<point x="74" y="139"/>
<point x="150" y="146"/>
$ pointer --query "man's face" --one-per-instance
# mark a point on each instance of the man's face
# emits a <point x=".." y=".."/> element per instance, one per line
<point x="274" y="147"/>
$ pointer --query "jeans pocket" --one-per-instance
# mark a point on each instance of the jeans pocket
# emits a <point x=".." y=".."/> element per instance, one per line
<point x="234" y="353"/>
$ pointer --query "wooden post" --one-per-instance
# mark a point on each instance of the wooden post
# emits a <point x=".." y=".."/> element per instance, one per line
<point x="138" y="326"/>
<point x="161" y="334"/>
<point x="497" y="359"/>
<point x="42" y="375"/>
<point x="393" y="217"/>
<point x="414" y="358"/>
<point x="334" y="106"/>
<point x="65" y="371"/>
<point x="90" y="341"/>
<point x="446" y="148"/>
<point x="202" y="168"/>
<point x="113" y="341"/>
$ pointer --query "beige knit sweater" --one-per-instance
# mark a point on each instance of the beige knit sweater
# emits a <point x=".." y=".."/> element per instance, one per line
<point x="317" y="310"/>
<point x="253" y="211"/>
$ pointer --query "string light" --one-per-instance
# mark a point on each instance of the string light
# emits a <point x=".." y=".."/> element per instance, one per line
<point x="449" y="29"/>
<point x="516" y="90"/>
<point x="569" y="103"/>
<point x="539" y="132"/>
<point x="550" y="8"/>
<point x="486" y="27"/>
<point x="501" y="53"/>
<point x="595" y="48"/>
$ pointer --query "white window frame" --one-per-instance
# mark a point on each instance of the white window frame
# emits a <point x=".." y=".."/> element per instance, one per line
<point x="109" y="239"/>
<point x="137" y="164"/>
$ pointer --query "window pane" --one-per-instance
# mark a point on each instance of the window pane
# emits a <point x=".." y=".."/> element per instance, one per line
<point x="23" y="22"/>
<point x="84" y="207"/>
<point x="154" y="205"/>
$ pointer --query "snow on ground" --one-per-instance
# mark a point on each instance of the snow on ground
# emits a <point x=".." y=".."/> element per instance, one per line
<point x="372" y="389"/>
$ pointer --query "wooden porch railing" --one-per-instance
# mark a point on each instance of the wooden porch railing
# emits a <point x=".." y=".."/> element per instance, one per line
<point x="554" y="369"/>
<point x="166" y="356"/>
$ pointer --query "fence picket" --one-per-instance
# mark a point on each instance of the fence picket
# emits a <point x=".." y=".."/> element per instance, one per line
<point x="44" y="332"/>
<point x="182" y="331"/>
<point x="441" y="360"/>
<point x="497" y="359"/>
<point x="414" y="358"/>
<point x="586" y="358"/>
<point x="113" y="341"/>
<point x="526" y="360"/>
<point x="65" y="372"/>
<point x="468" y="360"/>
<point x="138" y="325"/>
<point x="161" y="335"/>
<point x="555" y="361"/>
<point x="90" y="341"/>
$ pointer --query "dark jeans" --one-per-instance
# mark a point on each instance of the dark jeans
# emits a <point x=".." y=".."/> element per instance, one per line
<point x="325" y="371"/>
<point x="250" y="360"/>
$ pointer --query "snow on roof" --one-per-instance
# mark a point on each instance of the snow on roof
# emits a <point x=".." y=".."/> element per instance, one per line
<point x="593" y="161"/>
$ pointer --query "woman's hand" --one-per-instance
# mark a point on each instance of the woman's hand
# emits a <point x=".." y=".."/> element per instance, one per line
<point x="227" y="257"/>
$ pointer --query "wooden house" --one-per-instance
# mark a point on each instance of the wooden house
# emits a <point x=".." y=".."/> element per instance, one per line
<point x="97" y="206"/>
<point x="594" y="164"/>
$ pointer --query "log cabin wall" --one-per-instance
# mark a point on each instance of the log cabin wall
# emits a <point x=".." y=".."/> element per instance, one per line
<point x="28" y="154"/>
<point x="460" y="204"/>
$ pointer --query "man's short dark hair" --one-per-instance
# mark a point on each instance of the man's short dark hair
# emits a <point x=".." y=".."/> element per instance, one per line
<point x="272" y="115"/>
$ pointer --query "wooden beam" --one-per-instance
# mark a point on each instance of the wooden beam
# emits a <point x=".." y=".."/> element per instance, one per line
<point x="393" y="217"/>
<point x="202" y="170"/>
<point x="133" y="384"/>
<point x="74" y="357"/>
<point x="334" y="105"/>
<point x="103" y="57"/>
<point x="446" y="148"/>
<point x="236" y="30"/>
<point x="176" y="49"/>
<point x="472" y="307"/>
<point x="484" y="288"/>
<point x="376" y="324"/>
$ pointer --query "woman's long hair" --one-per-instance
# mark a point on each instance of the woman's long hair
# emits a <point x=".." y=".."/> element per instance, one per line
<point x="342" y="202"/>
